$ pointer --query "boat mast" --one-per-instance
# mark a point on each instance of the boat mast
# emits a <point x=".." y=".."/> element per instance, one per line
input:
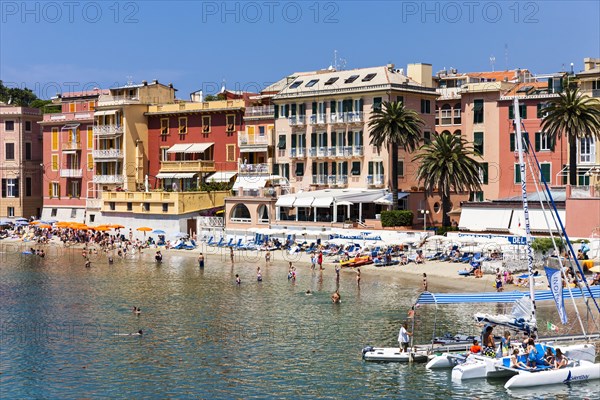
<point x="519" y="139"/>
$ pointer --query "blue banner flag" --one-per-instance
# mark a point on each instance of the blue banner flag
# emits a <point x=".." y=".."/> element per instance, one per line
<point x="556" y="286"/>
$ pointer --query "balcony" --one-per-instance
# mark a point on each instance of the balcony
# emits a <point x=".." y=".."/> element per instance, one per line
<point x="375" y="181"/>
<point x="595" y="92"/>
<point x="72" y="116"/>
<point x="107" y="153"/>
<point x="188" y="166"/>
<point x="109" y="179"/>
<point x="154" y="202"/>
<point x="244" y="139"/>
<point x="336" y="118"/>
<point x="317" y="119"/>
<point x="322" y="151"/>
<point x="331" y="151"/>
<point x="107" y="130"/>
<point x="298" y="120"/>
<point x="71" y="173"/>
<point x="358" y="151"/>
<point x="253" y="169"/>
<point x="71" y="146"/>
<point x="259" y="112"/>
<point x="319" y="179"/>
<point x="93" y="204"/>
<point x="299" y="152"/>
<point x="338" y="180"/>
<point x="117" y="100"/>
<point x="353" y="117"/>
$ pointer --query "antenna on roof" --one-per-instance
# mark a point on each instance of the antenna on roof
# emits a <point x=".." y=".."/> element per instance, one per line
<point x="337" y="64"/>
<point x="506" y="56"/>
<point x="492" y="61"/>
<point x="129" y="80"/>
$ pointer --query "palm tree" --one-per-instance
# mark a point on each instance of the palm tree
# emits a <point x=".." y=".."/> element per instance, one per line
<point x="447" y="165"/>
<point x="576" y="116"/>
<point x="395" y="126"/>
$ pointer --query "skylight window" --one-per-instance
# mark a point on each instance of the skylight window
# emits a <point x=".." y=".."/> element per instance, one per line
<point x="525" y="89"/>
<point x="351" y="79"/>
<point x="296" y="84"/>
<point x="312" y="83"/>
<point x="331" y="81"/>
<point x="368" y="77"/>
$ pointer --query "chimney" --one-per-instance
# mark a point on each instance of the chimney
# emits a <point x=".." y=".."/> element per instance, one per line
<point x="590" y="63"/>
<point x="155" y="82"/>
<point x="145" y="83"/>
<point x="421" y="73"/>
<point x="390" y="67"/>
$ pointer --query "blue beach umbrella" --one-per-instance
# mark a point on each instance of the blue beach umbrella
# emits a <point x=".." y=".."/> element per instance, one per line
<point x="158" y="232"/>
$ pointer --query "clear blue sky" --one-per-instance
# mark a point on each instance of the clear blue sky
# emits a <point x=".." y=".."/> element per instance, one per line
<point x="55" y="45"/>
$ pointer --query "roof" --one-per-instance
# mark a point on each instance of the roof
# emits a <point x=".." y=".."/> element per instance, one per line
<point x="361" y="79"/>
<point x="528" y="88"/>
<point x="495" y="76"/>
<point x="325" y="198"/>
<point x="138" y="85"/>
<point x="558" y="194"/>
<point x="86" y="93"/>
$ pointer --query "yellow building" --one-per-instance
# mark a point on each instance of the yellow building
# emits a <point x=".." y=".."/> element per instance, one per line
<point x="588" y="156"/>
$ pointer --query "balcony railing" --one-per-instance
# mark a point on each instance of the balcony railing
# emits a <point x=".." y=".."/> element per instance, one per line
<point x="71" y="173"/>
<point x="297" y="120"/>
<point x="312" y="152"/>
<point x="259" y="111"/>
<point x="317" y="119"/>
<point x="107" y="130"/>
<point x="251" y="140"/>
<point x="188" y="166"/>
<point x="117" y="100"/>
<point x="108" y="153"/>
<point x="71" y="116"/>
<point x="331" y="151"/>
<point x="336" y="118"/>
<point x="338" y="180"/>
<point x="595" y="92"/>
<point x="319" y="179"/>
<point x="110" y="179"/>
<point x="253" y="169"/>
<point x="71" y="146"/>
<point x="299" y="152"/>
<point x="353" y="117"/>
<point x="375" y="180"/>
<point x="95" y="204"/>
<point x="322" y="152"/>
<point x="358" y="151"/>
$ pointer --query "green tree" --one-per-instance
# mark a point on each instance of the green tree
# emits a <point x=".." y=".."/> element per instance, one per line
<point x="16" y="96"/>
<point x="446" y="165"/>
<point x="394" y="126"/>
<point x="575" y="116"/>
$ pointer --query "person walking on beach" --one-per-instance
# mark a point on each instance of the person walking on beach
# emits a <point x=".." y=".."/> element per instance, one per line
<point x="313" y="261"/>
<point x="268" y="256"/>
<point x="238" y="281"/>
<point x="201" y="260"/>
<point x="358" y="276"/>
<point x="424" y="282"/>
<point x="320" y="260"/>
<point x="403" y="338"/>
<point x="258" y="275"/>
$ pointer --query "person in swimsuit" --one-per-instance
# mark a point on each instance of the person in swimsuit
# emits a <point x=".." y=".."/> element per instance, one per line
<point x="489" y="345"/>
<point x="531" y="354"/>
<point x="258" y="275"/>
<point x="238" y="281"/>
<point x="201" y="260"/>
<point x="560" y="360"/>
<point x="336" y="298"/>
<point x="514" y="361"/>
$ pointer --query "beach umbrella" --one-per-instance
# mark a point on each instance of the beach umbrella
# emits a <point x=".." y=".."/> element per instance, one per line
<point x="143" y="229"/>
<point x="101" y="228"/>
<point x="5" y="222"/>
<point x="158" y="232"/>
<point x="35" y="222"/>
<point x="44" y="226"/>
<point x="595" y="268"/>
<point x="21" y="223"/>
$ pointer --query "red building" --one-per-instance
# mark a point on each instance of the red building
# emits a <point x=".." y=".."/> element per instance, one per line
<point x="67" y="154"/>
<point x="190" y="141"/>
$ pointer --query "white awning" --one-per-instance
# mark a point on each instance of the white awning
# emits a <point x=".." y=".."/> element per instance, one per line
<point x="185" y="175"/>
<point x="107" y="112"/>
<point x="285" y="201"/>
<point x="165" y="175"/>
<point x="197" y="147"/>
<point x="69" y="151"/>
<point x="106" y="159"/>
<point x="248" y="182"/>
<point x="179" y="148"/>
<point x="303" y="201"/>
<point x="69" y="126"/>
<point x="221" y="176"/>
<point x="254" y="149"/>
<point x="323" y="202"/>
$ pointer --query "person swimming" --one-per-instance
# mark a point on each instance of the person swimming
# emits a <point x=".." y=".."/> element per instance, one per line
<point x="308" y="292"/>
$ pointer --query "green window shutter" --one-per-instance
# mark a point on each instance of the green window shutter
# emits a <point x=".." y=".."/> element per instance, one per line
<point x="333" y="139"/>
<point x="332" y="107"/>
<point x="355" y="167"/>
<point x="314" y="168"/>
<point x="400" y="168"/>
<point x="303" y="144"/>
<point x="333" y="168"/>
<point x="538" y="141"/>
<point x="545" y="172"/>
<point x="294" y="141"/>
<point x="294" y="106"/>
<point x="552" y="142"/>
<point x="485" y="169"/>
<point x="313" y="140"/>
<point x="371" y="167"/>
<point x="360" y="105"/>
<point x="350" y="138"/>
<point x="400" y="99"/>
<point x="345" y="168"/>
<point x="377" y="103"/>
<point x="517" y="173"/>
<point x="539" y="113"/>
<point x="302" y="109"/>
<point x="314" y="107"/>
<point x="299" y="169"/>
<point x="282" y="142"/>
<point x="525" y="141"/>
<point x="478" y="142"/>
<point x="523" y="111"/>
<point x="325" y="168"/>
<point x="511" y="112"/>
<point x="276" y="110"/>
<point x="381" y="167"/>
<point x="275" y="169"/>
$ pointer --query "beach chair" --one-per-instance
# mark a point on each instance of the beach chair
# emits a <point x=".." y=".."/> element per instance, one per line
<point x="211" y="241"/>
<point x="228" y="244"/>
<point x="477" y="257"/>
<point x="236" y="245"/>
<point x="466" y="257"/>
<point x="219" y="243"/>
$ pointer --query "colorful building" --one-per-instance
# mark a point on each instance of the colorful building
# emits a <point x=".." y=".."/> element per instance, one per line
<point x="588" y="153"/>
<point x="20" y="161"/>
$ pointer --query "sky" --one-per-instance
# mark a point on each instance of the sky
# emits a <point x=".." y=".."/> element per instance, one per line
<point x="59" y="46"/>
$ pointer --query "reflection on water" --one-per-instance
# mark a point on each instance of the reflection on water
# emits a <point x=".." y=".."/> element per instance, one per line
<point x="62" y="329"/>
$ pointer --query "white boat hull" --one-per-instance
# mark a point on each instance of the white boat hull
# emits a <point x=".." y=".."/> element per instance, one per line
<point x="392" y="354"/>
<point x="583" y="372"/>
<point x="445" y="360"/>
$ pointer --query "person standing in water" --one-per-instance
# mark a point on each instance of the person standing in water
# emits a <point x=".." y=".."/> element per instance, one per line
<point x="336" y="298"/>
<point x="337" y="272"/>
<point x="238" y="281"/>
<point x="258" y="275"/>
<point x="358" y="276"/>
<point x="424" y="282"/>
<point x="201" y="260"/>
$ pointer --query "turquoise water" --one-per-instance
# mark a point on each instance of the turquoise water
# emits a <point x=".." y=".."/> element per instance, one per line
<point x="63" y="333"/>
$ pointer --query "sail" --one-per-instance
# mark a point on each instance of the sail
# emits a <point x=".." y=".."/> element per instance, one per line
<point x="556" y="286"/>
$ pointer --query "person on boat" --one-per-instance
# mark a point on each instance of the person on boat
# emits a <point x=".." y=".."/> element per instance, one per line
<point x="403" y="338"/>
<point x="549" y="357"/>
<point x="336" y="298"/>
<point x="424" y="282"/>
<point x="201" y="260"/>
<point x="505" y="344"/>
<point x="475" y="348"/>
<point x="514" y="361"/>
<point x="489" y="345"/>
<point x="560" y="361"/>
<point x="531" y="354"/>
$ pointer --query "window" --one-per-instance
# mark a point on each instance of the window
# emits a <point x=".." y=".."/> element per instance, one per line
<point x="543" y="142"/>
<point x="377" y="103"/>
<point x="91" y="105"/>
<point x="299" y="169"/>
<point x="400" y="167"/>
<point x="10" y="151"/>
<point x="90" y="161"/>
<point x="74" y="189"/>
<point x="457" y="116"/>
<point x="296" y="84"/>
<point x="10" y="187"/>
<point x="28" y="186"/>
<point x="164" y="156"/>
<point x="351" y="79"/>
<point x="400" y="99"/>
<point x="546" y="172"/>
<point x="426" y="137"/>
<point x="54" y="139"/>
<point x="27" y="126"/>
<point x="312" y="83"/>
<point x="53" y="212"/>
<point x="583" y="180"/>
<point x="164" y="126"/>
<point x="9" y="126"/>
<point x="90" y="137"/>
<point x="368" y="77"/>
<point x="522" y="111"/>
<point x="586" y="150"/>
<point x="483" y="173"/>
<point x="27" y="151"/>
<point x="476" y="196"/>
<point x="206" y="124"/>
<point x="525" y="141"/>
<point x="517" y="173"/>
<point x="129" y="206"/>
<point x="111" y="205"/>
<point x="10" y="212"/>
<point x="281" y="145"/>
<point x="183" y="125"/>
<point x="445" y="116"/>
<point x="165" y="207"/>
<point x="478" y="143"/>
<point x="231" y="152"/>
<point x="425" y="106"/>
<point x="478" y="111"/>
<point x="540" y="110"/>
<point x="73" y="212"/>
<point x="355" y="168"/>
<point x="230" y="123"/>
<point x="72" y="107"/>
<point x="54" y="164"/>
<point x="331" y="81"/>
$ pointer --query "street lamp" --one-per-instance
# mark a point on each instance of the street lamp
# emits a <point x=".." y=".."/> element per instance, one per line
<point x="425" y="213"/>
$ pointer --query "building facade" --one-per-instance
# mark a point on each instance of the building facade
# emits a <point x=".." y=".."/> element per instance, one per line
<point x="588" y="153"/>
<point x="21" y="172"/>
